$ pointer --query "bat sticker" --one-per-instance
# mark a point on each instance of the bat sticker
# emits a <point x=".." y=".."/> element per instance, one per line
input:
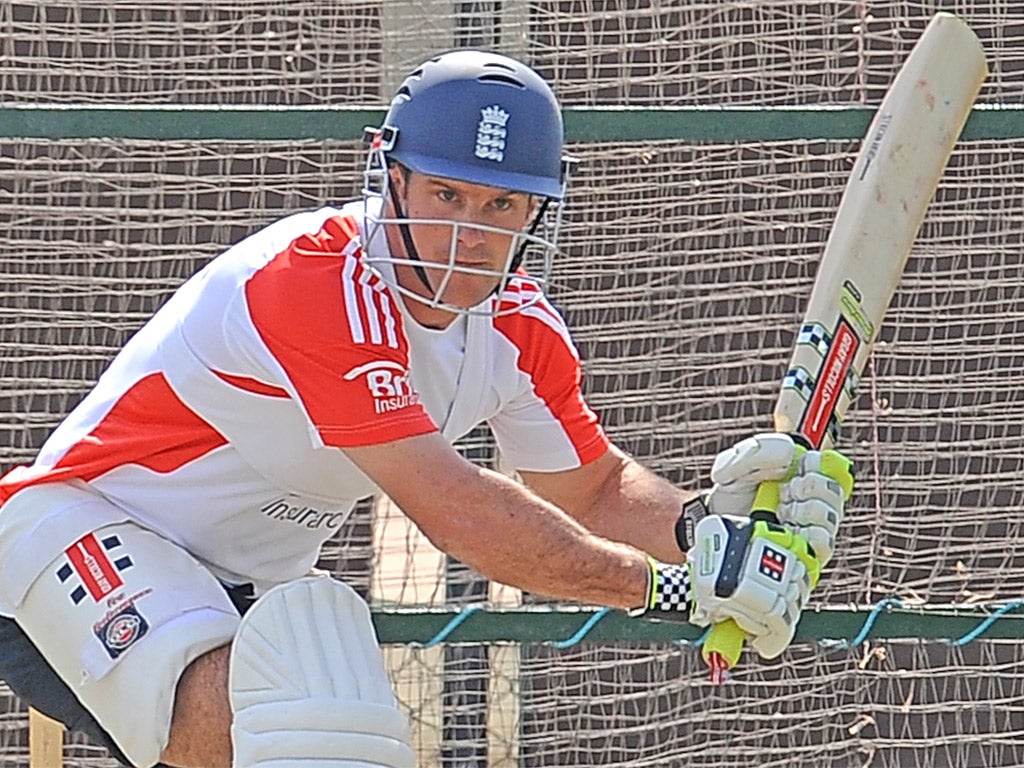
<point x="850" y="301"/>
<point x="822" y="405"/>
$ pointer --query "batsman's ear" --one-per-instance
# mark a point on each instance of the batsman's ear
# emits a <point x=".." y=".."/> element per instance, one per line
<point x="399" y="176"/>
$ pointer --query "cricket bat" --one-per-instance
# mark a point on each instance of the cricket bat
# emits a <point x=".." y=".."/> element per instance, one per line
<point x="901" y="160"/>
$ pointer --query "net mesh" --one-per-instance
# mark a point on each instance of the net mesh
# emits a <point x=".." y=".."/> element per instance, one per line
<point x="686" y="271"/>
<point x="633" y="706"/>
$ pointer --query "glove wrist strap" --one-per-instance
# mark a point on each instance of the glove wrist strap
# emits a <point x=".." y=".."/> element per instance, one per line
<point x="694" y="510"/>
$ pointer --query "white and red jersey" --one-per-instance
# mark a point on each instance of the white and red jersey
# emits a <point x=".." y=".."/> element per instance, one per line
<point x="222" y="423"/>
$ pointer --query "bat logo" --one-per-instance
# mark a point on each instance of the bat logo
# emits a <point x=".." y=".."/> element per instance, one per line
<point x="884" y="121"/>
<point x="850" y="300"/>
<point x="825" y="397"/>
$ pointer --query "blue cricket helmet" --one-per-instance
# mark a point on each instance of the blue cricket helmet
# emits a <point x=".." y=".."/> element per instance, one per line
<point x="478" y="117"/>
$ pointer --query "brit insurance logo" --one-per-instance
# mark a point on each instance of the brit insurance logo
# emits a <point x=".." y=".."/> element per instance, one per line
<point x="388" y="383"/>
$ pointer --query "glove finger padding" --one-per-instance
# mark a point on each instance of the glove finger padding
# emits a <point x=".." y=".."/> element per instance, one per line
<point x="768" y="456"/>
<point x="755" y="573"/>
<point x="812" y="503"/>
<point x="831" y="464"/>
<point x="738" y="471"/>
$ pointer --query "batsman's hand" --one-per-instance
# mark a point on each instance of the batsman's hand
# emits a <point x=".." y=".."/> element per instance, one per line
<point x="812" y="502"/>
<point x="750" y="571"/>
<point x="737" y="473"/>
<point x="813" y="487"/>
<point x="754" y="572"/>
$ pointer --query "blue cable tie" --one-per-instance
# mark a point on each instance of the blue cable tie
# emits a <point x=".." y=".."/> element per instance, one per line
<point x="451" y="626"/>
<point x="865" y="630"/>
<point x="988" y="622"/>
<point x="582" y="631"/>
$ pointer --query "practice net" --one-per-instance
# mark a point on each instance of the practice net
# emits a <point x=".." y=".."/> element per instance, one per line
<point x="687" y="265"/>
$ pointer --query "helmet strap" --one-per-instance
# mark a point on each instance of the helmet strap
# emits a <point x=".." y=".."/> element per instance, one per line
<point x="518" y="258"/>
<point x="410" y="247"/>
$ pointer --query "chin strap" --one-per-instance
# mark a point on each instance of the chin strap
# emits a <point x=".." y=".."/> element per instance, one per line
<point x="410" y="247"/>
<point x="518" y="258"/>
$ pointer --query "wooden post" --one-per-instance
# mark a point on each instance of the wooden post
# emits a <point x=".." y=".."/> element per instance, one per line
<point x="45" y="741"/>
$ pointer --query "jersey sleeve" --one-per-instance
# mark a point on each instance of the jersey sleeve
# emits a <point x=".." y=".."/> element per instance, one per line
<point x="547" y="426"/>
<point x="334" y="331"/>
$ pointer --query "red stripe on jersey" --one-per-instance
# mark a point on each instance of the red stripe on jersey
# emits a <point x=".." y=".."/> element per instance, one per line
<point x="328" y="322"/>
<point x="554" y="371"/>
<point x="93" y="567"/>
<point x="251" y="385"/>
<point x="148" y="426"/>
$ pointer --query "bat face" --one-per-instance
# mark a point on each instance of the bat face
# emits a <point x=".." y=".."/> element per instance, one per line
<point x="903" y="156"/>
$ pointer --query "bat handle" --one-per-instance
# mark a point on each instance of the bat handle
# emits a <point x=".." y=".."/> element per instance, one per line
<point x="722" y="649"/>
<point x="724" y="644"/>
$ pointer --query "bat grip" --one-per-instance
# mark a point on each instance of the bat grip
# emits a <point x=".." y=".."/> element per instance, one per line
<point x="724" y="644"/>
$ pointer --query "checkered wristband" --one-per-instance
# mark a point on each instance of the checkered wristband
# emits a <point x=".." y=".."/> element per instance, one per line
<point x="669" y="591"/>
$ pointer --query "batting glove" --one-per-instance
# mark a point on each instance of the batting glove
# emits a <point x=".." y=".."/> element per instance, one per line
<point x="751" y="571"/>
<point x="736" y="473"/>
<point x="756" y="573"/>
<point x="814" y="486"/>
<point x="812" y="503"/>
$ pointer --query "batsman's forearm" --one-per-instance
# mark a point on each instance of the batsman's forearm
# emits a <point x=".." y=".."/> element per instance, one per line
<point x="637" y="507"/>
<point x="512" y="536"/>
